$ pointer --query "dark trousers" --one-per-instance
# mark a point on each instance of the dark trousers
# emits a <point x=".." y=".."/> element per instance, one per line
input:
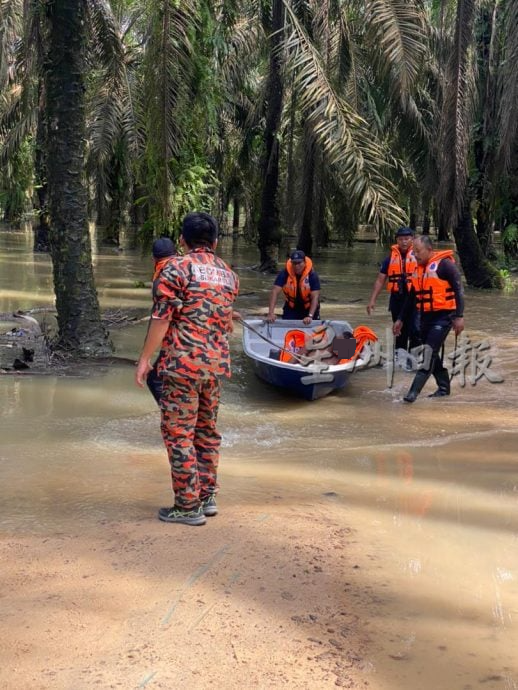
<point x="409" y="336"/>
<point x="434" y="329"/>
<point x="154" y="383"/>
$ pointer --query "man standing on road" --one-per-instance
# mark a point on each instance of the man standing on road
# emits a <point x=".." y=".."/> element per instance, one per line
<point x="301" y="287"/>
<point x="395" y="272"/>
<point x="190" y="323"/>
<point x="437" y="292"/>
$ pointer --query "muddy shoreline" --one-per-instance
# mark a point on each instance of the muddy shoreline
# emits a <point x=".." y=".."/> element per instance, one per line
<point x="260" y="597"/>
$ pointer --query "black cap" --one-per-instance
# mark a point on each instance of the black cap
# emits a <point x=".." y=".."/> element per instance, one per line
<point x="163" y="247"/>
<point x="404" y="232"/>
<point x="297" y="255"/>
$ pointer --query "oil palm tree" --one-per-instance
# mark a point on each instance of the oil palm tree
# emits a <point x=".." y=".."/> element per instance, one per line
<point x="476" y="129"/>
<point x="337" y="60"/>
<point x="45" y="101"/>
<point x="79" y="322"/>
<point x="315" y="58"/>
<point x="268" y="225"/>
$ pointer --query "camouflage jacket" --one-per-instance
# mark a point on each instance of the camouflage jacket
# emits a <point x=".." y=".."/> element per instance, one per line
<point x="195" y="293"/>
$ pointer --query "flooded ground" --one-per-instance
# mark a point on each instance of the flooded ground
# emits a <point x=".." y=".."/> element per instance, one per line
<point x="362" y="542"/>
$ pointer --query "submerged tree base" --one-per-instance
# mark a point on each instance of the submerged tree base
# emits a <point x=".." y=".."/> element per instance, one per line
<point x="27" y="347"/>
<point x="267" y="266"/>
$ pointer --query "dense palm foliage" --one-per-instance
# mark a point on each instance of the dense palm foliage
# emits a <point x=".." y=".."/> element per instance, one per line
<point x="307" y="118"/>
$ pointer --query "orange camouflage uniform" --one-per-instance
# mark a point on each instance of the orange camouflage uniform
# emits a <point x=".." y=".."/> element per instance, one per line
<point x="195" y="293"/>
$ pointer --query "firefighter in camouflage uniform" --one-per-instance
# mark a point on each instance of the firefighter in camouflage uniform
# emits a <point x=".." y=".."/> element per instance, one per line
<point x="190" y="322"/>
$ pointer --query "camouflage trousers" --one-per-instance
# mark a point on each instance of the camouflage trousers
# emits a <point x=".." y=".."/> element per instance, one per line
<point x="189" y="408"/>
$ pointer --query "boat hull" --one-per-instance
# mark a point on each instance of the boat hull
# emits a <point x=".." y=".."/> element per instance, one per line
<point x="291" y="381"/>
<point x="310" y="382"/>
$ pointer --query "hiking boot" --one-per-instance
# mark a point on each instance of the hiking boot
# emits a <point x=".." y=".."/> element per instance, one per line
<point x="209" y="505"/>
<point x="183" y="517"/>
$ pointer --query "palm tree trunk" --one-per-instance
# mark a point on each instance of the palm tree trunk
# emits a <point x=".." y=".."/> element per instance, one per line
<point x="305" y="239"/>
<point x="290" y="198"/>
<point x="322" y="228"/>
<point x="80" y="329"/>
<point x="478" y="270"/>
<point x="268" y="227"/>
<point x="101" y="206"/>
<point x="236" y="210"/>
<point x="426" y="215"/>
<point x="442" y="229"/>
<point x="485" y="135"/>
<point x="41" y="236"/>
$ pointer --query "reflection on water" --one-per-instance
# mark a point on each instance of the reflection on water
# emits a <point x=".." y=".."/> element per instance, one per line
<point x="432" y="488"/>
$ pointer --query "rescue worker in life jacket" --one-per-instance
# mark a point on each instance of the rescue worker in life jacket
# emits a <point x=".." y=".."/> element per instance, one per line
<point x="395" y="272"/>
<point x="437" y="292"/>
<point x="164" y="251"/>
<point x="301" y="287"/>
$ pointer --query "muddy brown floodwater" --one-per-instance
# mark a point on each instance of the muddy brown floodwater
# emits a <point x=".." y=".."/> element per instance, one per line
<point x="361" y="543"/>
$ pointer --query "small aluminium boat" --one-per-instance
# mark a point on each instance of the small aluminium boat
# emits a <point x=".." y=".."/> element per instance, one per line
<point x="309" y="378"/>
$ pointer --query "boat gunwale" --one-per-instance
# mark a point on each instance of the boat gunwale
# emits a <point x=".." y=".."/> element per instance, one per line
<point x="314" y="367"/>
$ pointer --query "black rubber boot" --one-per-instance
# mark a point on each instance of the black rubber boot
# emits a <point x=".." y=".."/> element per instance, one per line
<point x="443" y="381"/>
<point x="417" y="386"/>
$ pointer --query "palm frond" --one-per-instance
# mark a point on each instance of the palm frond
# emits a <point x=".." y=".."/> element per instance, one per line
<point x="508" y="87"/>
<point x="321" y="27"/>
<point x="105" y="128"/>
<point x="349" y="69"/>
<point x="10" y="109"/>
<point x="30" y="53"/>
<point x="114" y="98"/>
<point x="345" y="139"/>
<point x="24" y="123"/>
<point x="168" y="69"/>
<point x="242" y="52"/>
<point x="167" y="81"/>
<point x="398" y="28"/>
<point x="107" y="43"/>
<point x="11" y="14"/>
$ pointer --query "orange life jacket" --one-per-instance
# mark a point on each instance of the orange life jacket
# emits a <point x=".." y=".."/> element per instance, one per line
<point x="362" y="335"/>
<point x="396" y="275"/>
<point x="294" y="342"/>
<point x="433" y="293"/>
<point x="297" y="341"/>
<point x="290" y="286"/>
